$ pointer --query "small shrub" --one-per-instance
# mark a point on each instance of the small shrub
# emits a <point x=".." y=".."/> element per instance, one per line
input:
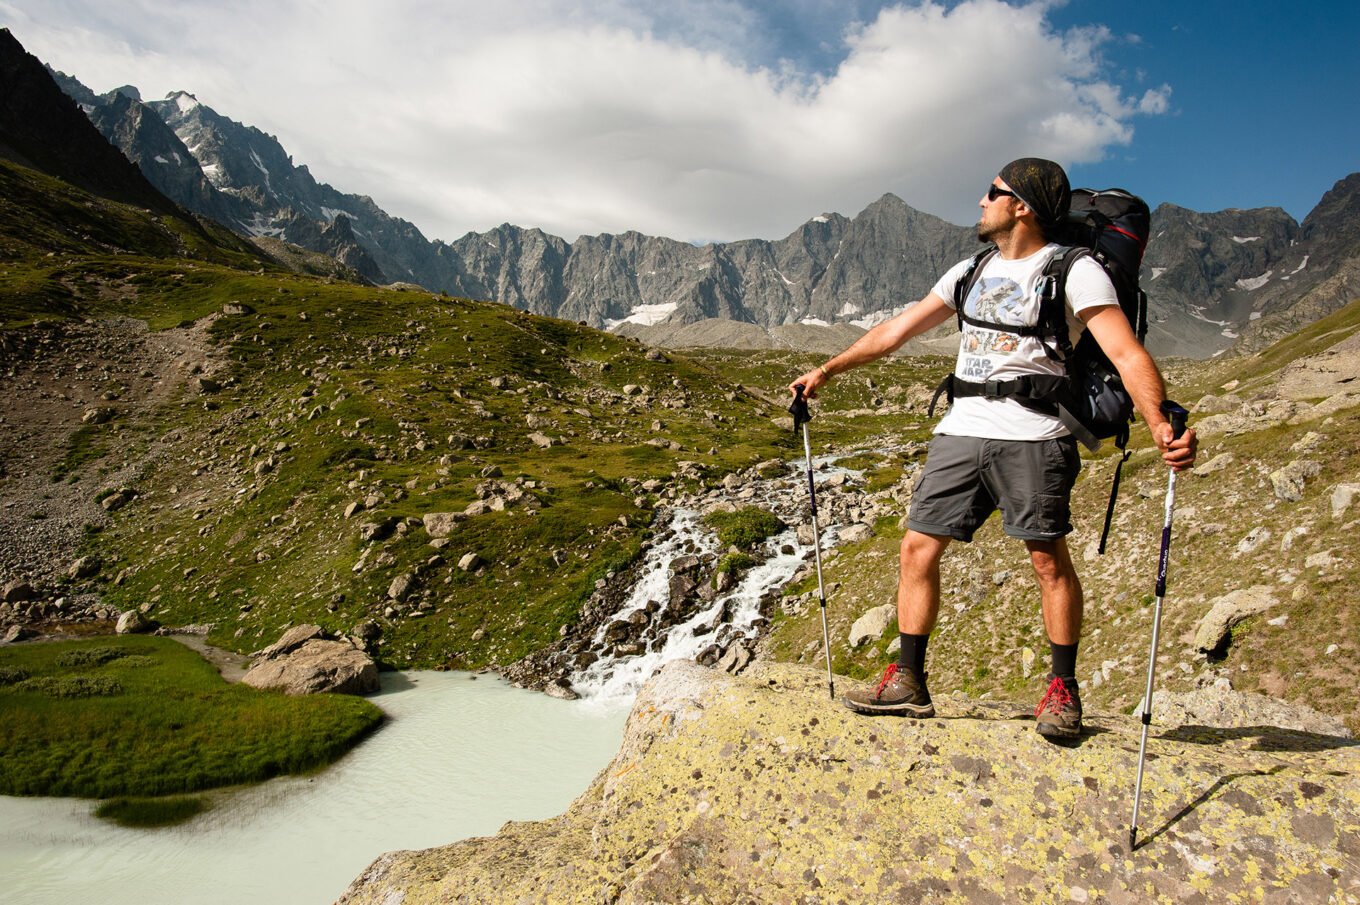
<point x="12" y="675"/>
<point x="72" y="686"/>
<point x="736" y="562"/>
<point x="744" y="528"/>
<point x="89" y="656"/>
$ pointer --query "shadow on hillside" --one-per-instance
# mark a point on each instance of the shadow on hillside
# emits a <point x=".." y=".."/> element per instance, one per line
<point x="1268" y="738"/>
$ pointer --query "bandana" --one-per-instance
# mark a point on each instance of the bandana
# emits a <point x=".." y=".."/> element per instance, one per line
<point x="1042" y="185"/>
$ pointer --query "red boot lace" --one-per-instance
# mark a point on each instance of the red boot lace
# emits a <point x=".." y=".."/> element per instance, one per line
<point x="1055" y="699"/>
<point x="887" y="677"/>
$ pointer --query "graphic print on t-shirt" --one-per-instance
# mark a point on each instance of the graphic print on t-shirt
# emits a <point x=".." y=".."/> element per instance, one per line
<point x="998" y="301"/>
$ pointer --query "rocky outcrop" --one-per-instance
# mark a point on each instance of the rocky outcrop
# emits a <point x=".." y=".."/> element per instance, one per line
<point x="759" y="789"/>
<point x="306" y="661"/>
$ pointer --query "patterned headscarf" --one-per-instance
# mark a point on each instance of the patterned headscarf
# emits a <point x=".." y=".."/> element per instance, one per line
<point x="1042" y="185"/>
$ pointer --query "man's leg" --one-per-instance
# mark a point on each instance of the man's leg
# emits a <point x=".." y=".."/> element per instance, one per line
<point x="1059" y="713"/>
<point x="902" y="689"/>
<point x="1059" y="590"/>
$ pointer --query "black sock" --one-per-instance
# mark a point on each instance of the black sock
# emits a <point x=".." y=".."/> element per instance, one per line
<point x="1064" y="660"/>
<point x="913" y="653"/>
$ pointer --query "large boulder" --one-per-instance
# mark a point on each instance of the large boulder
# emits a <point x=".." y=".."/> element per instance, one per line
<point x="1215" y="629"/>
<point x="871" y="625"/>
<point x="305" y="661"/>
<point x="134" y="622"/>
<point x="759" y="788"/>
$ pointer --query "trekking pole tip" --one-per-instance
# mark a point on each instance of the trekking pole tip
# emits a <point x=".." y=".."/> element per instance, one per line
<point x="1133" y="839"/>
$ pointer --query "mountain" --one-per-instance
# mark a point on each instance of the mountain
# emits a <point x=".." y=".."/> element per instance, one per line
<point x="42" y="128"/>
<point x="1215" y="280"/>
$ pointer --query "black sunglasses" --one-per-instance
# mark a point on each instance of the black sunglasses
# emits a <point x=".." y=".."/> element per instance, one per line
<point x="995" y="191"/>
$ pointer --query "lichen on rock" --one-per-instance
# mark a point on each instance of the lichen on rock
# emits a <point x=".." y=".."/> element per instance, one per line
<point x="759" y="789"/>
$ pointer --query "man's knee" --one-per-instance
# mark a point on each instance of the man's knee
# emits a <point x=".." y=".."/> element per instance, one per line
<point x="921" y="552"/>
<point x="1052" y="563"/>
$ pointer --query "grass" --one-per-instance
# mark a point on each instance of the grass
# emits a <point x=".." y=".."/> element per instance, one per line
<point x="147" y="717"/>
<point x="745" y="527"/>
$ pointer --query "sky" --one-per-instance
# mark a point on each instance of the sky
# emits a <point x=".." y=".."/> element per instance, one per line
<point x="716" y="120"/>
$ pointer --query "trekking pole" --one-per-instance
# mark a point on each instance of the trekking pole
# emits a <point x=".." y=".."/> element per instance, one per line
<point x="1177" y="416"/>
<point x="801" y="417"/>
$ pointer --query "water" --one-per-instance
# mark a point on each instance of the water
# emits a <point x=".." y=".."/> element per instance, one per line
<point x="457" y="758"/>
<point x="614" y="682"/>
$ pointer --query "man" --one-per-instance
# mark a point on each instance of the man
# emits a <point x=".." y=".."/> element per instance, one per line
<point x="993" y="453"/>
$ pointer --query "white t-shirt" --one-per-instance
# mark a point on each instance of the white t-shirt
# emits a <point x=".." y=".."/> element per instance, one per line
<point x="1006" y="293"/>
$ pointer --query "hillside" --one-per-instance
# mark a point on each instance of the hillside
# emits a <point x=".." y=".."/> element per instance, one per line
<point x="279" y="448"/>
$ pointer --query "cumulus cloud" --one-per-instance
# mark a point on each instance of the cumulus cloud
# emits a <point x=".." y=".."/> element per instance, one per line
<point x="716" y="120"/>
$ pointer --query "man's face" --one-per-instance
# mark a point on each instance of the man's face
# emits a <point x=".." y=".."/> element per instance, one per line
<point x="998" y="211"/>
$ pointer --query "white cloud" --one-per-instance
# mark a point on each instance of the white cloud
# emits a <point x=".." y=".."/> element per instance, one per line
<point x="602" y="117"/>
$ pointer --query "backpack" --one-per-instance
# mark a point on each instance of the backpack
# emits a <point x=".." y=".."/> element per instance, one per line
<point x="1111" y="227"/>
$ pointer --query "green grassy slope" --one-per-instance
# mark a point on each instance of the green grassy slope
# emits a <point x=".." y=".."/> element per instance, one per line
<point x="325" y="395"/>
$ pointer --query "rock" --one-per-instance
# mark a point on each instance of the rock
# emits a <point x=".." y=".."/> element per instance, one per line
<point x="1215" y="628"/>
<point x="1253" y="540"/>
<point x="1214" y="465"/>
<point x="471" y="562"/>
<point x="561" y="689"/>
<point x="207" y="386"/>
<point x="16" y="633"/>
<point x="100" y="415"/>
<point x="1289" y="481"/>
<point x="401" y="586"/>
<point x="1223" y="708"/>
<point x="85" y="567"/>
<point x="854" y="534"/>
<point x="290" y="641"/>
<point x="317" y="666"/>
<point x="441" y="524"/>
<point x="133" y="622"/>
<point x="737" y="658"/>
<point x="367" y="632"/>
<point x="871" y="625"/>
<point x="1343" y="497"/>
<point x="117" y="500"/>
<point x="17" y="592"/>
<point x="784" y="798"/>
<point x="377" y="531"/>
<point x="543" y="441"/>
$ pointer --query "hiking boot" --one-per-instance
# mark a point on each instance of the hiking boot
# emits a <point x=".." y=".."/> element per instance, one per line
<point x="899" y="691"/>
<point x="1059" y="713"/>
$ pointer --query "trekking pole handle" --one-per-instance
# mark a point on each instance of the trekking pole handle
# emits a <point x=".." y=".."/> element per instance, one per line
<point x="799" y="408"/>
<point x="1177" y="415"/>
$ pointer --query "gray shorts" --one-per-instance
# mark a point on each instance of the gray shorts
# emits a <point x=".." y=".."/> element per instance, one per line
<point x="966" y="479"/>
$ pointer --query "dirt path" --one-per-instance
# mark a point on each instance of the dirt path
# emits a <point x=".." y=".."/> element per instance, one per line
<point x="99" y="375"/>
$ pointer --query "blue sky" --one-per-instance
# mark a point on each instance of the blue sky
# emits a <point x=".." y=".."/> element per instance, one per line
<point x="1265" y="104"/>
<point x="713" y="120"/>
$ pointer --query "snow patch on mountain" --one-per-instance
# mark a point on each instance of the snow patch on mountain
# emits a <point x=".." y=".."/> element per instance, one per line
<point x="646" y="315"/>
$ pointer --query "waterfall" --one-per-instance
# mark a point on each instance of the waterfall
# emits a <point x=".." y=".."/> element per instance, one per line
<point x="734" y="615"/>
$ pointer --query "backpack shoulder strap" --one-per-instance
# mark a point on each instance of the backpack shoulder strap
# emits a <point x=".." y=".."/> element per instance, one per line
<point x="1053" y="296"/>
<point x="969" y="279"/>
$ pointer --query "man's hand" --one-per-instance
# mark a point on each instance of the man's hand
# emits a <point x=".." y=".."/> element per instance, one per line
<point x="1178" y="454"/>
<point x="809" y="381"/>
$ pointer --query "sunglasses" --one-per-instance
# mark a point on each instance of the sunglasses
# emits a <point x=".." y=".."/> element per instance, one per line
<point x="995" y="191"/>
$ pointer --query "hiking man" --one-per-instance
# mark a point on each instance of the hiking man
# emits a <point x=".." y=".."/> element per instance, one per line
<point x="992" y="453"/>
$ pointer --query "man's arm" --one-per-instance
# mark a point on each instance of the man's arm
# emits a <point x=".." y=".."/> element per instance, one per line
<point x="882" y="340"/>
<point x="1142" y="379"/>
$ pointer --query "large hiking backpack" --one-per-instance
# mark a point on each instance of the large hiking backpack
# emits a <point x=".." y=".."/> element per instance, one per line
<point x="1111" y="227"/>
